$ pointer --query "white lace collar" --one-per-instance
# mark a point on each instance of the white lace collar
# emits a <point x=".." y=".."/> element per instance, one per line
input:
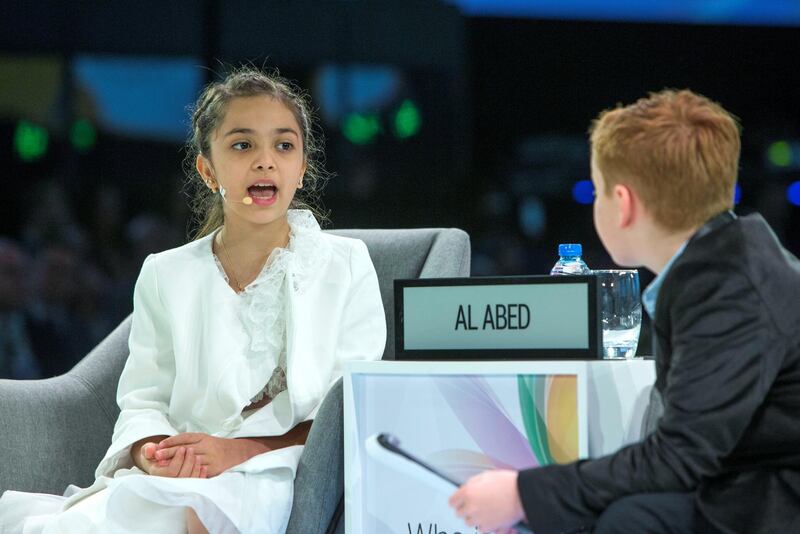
<point x="263" y="300"/>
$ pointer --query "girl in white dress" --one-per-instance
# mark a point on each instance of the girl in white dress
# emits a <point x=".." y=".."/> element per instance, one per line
<point x="236" y="337"/>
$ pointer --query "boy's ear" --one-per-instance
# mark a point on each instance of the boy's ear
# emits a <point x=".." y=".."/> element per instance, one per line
<point x="627" y="205"/>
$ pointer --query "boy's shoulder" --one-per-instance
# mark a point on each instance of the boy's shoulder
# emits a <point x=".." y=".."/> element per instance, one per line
<point x="742" y="261"/>
<point x="746" y="245"/>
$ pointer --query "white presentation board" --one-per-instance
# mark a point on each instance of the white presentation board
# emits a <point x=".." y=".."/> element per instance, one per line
<point x="459" y="417"/>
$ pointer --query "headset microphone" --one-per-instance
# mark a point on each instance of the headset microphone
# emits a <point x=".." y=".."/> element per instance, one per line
<point x="246" y="200"/>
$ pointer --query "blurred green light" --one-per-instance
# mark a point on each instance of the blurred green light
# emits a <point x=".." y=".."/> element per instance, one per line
<point x="82" y="135"/>
<point x="361" y="129"/>
<point x="407" y="120"/>
<point x="30" y="141"/>
<point x="779" y="154"/>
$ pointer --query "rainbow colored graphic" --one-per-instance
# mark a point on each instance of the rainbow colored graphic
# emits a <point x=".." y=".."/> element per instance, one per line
<point x="549" y="408"/>
<point x="550" y="413"/>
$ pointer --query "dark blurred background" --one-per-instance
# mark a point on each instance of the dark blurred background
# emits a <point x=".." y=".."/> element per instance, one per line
<point x="467" y="113"/>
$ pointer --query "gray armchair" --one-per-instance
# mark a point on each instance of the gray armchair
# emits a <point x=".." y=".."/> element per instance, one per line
<point x="55" y="431"/>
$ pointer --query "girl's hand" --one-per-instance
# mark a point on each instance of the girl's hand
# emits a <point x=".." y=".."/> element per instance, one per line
<point x="184" y="464"/>
<point x="215" y="454"/>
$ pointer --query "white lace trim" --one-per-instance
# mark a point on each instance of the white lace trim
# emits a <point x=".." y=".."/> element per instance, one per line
<point x="275" y="384"/>
<point x="263" y="302"/>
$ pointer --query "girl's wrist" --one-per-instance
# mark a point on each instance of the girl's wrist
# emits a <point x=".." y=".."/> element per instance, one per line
<point x="250" y="447"/>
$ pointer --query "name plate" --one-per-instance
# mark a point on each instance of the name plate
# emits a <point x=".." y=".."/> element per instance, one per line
<point x="530" y="317"/>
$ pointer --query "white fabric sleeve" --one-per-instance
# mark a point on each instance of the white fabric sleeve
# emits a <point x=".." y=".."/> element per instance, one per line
<point x="147" y="379"/>
<point x="362" y="332"/>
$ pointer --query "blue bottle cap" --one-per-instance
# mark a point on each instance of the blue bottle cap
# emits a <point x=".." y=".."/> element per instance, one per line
<point x="570" y="249"/>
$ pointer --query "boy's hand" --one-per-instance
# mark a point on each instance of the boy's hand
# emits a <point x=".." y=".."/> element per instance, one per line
<point x="215" y="454"/>
<point x="184" y="463"/>
<point x="489" y="501"/>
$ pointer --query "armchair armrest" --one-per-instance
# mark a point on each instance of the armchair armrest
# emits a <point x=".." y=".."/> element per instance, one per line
<point x="54" y="432"/>
<point x="319" y="483"/>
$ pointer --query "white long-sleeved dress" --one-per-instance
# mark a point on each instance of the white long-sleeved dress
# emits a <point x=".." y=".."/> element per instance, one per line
<point x="199" y="354"/>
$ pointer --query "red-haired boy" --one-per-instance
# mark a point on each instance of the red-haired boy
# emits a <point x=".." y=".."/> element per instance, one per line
<point x="725" y="455"/>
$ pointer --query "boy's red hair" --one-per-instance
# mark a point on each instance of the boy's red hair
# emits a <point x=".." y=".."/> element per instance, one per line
<point x="678" y="151"/>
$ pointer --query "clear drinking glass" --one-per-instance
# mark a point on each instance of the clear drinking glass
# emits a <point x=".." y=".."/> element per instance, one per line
<point x="621" y="311"/>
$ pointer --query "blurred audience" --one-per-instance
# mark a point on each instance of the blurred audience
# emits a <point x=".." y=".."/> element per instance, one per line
<point x="63" y="287"/>
<point x="17" y="357"/>
<point x="59" y="333"/>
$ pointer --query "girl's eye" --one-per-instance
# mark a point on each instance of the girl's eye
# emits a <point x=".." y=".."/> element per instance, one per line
<point x="284" y="146"/>
<point x="241" y="145"/>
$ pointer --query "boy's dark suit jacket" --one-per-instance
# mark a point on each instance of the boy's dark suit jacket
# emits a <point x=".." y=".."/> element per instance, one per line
<point x="727" y="342"/>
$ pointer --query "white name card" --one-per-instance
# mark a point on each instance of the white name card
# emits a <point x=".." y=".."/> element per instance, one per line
<point x="532" y="317"/>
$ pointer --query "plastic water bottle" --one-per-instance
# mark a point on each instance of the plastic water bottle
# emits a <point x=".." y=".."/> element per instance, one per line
<point x="570" y="261"/>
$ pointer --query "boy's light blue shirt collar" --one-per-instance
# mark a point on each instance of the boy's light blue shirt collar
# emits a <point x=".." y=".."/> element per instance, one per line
<point x="650" y="294"/>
